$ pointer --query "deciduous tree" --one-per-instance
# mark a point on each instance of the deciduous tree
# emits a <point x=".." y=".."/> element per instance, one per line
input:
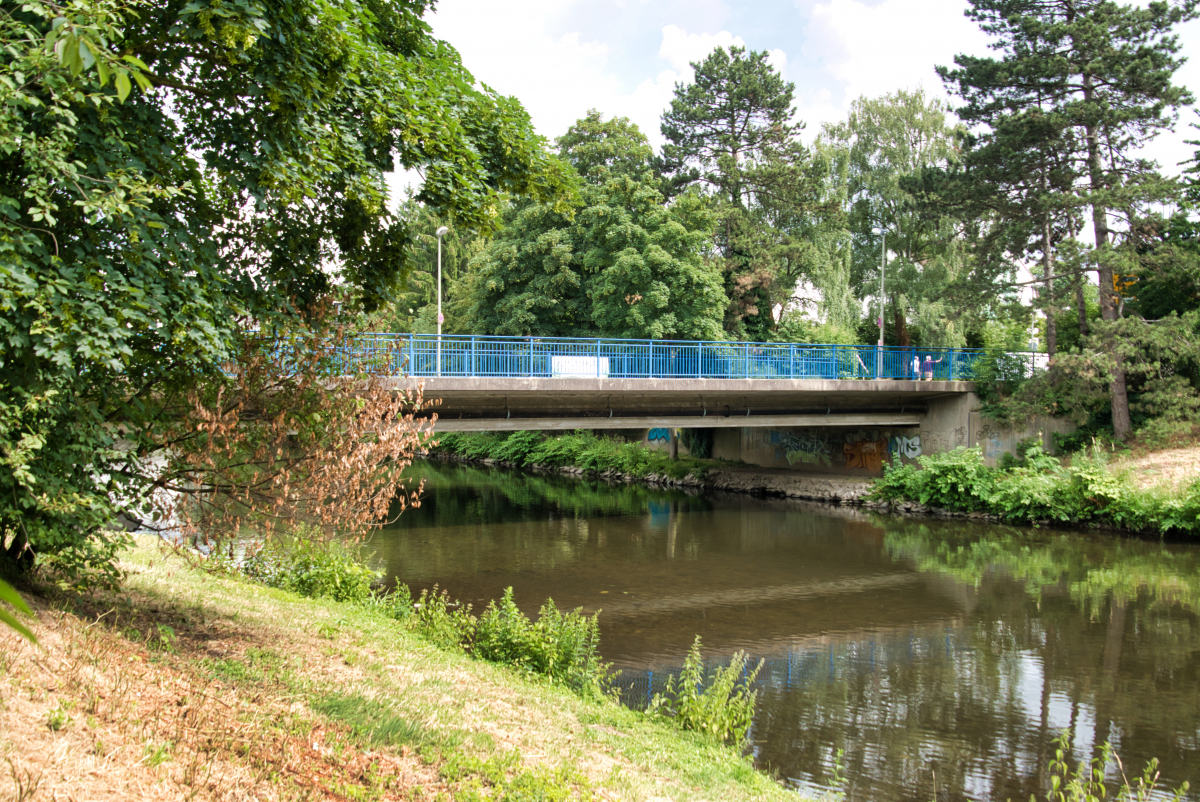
<point x="173" y="172"/>
<point x="624" y="264"/>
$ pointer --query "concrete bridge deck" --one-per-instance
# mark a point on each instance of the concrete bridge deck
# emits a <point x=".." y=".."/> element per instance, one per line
<point x="508" y="404"/>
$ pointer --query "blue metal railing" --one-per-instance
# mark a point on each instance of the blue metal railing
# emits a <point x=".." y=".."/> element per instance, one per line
<point x="424" y="355"/>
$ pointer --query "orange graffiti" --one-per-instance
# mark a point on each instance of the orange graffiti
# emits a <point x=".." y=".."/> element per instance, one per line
<point x="867" y="454"/>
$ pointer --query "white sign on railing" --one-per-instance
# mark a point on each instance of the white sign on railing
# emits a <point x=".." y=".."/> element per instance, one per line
<point x="578" y="367"/>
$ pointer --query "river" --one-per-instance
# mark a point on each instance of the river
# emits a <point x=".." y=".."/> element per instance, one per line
<point x="941" y="658"/>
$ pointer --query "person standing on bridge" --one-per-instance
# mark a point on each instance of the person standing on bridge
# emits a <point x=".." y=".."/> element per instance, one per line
<point x="927" y="367"/>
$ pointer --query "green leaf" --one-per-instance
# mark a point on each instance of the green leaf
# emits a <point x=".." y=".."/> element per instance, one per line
<point x="123" y="85"/>
<point x="7" y="594"/>
<point x="86" y="55"/>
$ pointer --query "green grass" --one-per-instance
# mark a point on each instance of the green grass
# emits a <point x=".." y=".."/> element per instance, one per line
<point x="374" y="722"/>
<point x="394" y="689"/>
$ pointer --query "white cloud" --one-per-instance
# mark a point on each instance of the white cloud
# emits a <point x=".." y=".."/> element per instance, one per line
<point x="559" y="77"/>
<point x="680" y="48"/>
<point x="872" y="50"/>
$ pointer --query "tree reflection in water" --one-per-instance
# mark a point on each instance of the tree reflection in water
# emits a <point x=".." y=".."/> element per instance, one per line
<point x="943" y="657"/>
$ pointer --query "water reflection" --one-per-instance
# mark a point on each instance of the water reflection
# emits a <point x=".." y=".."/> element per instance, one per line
<point x="943" y="658"/>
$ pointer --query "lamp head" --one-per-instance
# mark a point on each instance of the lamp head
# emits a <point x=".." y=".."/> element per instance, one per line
<point x="443" y="231"/>
<point x="878" y="231"/>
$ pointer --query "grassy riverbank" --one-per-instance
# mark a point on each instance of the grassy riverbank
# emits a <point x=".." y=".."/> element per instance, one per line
<point x="1087" y="489"/>
<point x="192" y="685"/>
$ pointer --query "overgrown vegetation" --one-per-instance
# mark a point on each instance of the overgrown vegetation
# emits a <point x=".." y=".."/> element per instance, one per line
<point x="311" y="566"/>
<point x="582" y="449"/>
<point x="723" y="710"/>
<point x="1039" y="488"/>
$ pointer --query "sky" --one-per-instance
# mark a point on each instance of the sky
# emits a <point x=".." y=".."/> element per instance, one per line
<point x="624" y="57"/>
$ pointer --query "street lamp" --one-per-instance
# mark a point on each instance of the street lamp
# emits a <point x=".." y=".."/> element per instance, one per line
<point x="441" y="232"/>
<point x="882" y="232"/>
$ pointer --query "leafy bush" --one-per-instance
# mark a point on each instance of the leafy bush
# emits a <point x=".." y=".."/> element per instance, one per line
<point x="517" y="447"/>
<point x="561" y="645"/>
<point x="723" y="710"/>
<point x="446" y="624"/>
<point x="311" y="566"/>
<point x="581" y="449"/>
<point x="955" y="480"/>
<point x="1040" y="488"/>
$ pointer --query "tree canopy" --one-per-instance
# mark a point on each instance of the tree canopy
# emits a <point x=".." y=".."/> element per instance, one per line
<point x="622" y="264"/>
<point x="173" y="172"/>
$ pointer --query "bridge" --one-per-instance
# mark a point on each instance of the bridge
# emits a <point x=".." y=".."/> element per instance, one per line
<point x="554" y="383"/>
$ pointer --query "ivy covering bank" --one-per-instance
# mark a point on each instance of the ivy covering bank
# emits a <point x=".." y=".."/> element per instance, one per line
<point x="1039" y="488"/>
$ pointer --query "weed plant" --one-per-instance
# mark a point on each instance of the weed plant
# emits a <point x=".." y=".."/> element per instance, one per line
<point x="310" y="566"/>
<point x="1040" y="488"/>
<point x="442" y="622"/>
<point x="579" y="449"/>
<point x="564" y="646"/>
<point x="723" y="710"/>
<point x="1086" y="782"/>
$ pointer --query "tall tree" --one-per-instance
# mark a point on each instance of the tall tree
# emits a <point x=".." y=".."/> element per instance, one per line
<point x="731" y="133"/>
<point x="142" y="228"/>
<point x="1106" y="70"/>
<point x="623" y="264"/>
<point x="886" y="140"/>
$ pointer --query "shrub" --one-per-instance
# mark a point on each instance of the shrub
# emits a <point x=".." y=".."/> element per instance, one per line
<point x="723" y="710"/>
<point x="582" y="449"/>
<point x="1040" y="488"/>
<point x="955" y="480"/>
<point x="899" y="482"/>
<point x="443" y="623"/>
<point x="311" y="566"/>
<point x="561" y="645"/>
<point x="517" y="447"/>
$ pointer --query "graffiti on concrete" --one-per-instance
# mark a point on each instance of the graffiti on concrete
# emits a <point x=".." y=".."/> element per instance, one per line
<point x="909" y="447"/>
<point x="811" y="449"/>
<point x="992" y="441"/>
<point x="865" y="454"/>
<point x="659" y="434"/>
<point x="960" y="436"/>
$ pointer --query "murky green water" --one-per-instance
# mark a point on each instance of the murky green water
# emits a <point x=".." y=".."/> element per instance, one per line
<point x="942" y="657"/>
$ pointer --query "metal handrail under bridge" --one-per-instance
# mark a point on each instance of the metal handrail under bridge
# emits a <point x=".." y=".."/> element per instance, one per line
<point x="431" y="355"/>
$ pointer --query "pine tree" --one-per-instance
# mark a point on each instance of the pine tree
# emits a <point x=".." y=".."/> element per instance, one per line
<point x="731" y="133"/>
<point x="1105" y="71"/>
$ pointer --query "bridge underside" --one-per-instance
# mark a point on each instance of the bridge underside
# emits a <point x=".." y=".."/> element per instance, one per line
<point x="509" y="404"/>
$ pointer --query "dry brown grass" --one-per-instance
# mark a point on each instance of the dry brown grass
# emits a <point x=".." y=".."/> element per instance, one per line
<point x="89" y="713"/>
<point x="1173" y="467"/>
<point x="240" y="688"/>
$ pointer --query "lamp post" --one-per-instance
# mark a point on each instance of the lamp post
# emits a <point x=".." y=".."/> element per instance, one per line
<point x="882" y="298"/>
<point x="441" y="232"/>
